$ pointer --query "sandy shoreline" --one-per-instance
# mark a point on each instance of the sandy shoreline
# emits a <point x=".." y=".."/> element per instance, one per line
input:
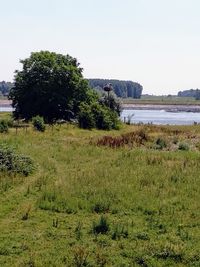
<point x="5" y="103"/>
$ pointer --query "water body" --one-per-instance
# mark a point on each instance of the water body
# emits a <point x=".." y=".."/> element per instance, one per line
<point x="160" y="117"/>
<point x="6" y="109"/>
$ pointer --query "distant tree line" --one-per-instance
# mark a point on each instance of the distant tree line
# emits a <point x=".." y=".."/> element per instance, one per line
<point x="190" y="93"/>
<point x="122" y="89"/>
<point x="5" y="88"/>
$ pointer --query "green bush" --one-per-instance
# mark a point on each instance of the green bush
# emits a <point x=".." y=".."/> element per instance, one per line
<point x="38" y="123"/>
<point x="14" y="163"/>
<point x="85" y="117"/>
<point x="97" y="116"/>
<point x="3" y="126"/>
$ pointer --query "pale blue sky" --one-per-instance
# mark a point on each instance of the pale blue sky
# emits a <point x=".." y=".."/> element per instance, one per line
<point x="153" y="42"/>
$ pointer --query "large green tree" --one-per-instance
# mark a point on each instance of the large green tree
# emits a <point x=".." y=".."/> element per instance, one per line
<point x="50" y="85"/>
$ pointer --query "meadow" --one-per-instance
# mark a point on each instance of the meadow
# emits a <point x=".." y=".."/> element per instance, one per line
<point x="97" y="198"/>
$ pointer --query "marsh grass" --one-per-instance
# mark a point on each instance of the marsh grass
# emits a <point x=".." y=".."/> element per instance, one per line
<point x="150" y="199"/>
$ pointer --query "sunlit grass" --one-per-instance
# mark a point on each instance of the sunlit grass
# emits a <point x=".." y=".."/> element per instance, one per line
<point x="150" y="199"/>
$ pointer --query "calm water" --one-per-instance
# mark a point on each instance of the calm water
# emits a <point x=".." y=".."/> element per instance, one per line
<point x="151" y="116"/>
<point x="6" y="109"/>
<point x="161" y="117"/>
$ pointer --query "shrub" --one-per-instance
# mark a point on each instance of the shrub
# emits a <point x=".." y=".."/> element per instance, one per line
<point x="133" y="138"/>
<point x="183" y="146"/>
<point x="38" y="123"/>
<point x="3" y="126"/>
<point x="12" y="162"/>
<point x="85" y="117"/>
<point x="160" y="143"/>
<point x="98" y="116"/>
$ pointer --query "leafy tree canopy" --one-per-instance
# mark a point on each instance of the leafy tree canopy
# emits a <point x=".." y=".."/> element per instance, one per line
<point x="50" y="85"/>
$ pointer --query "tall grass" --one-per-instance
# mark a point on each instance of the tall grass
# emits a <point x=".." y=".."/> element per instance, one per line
<point x="150" y="198"/>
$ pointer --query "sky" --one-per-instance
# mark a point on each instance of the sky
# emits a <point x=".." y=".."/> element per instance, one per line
<point x="153" y="42"/>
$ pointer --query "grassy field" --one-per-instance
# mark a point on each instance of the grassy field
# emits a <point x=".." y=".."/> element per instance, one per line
<point x="162" y="100"/>
<point x="137" y="204"/>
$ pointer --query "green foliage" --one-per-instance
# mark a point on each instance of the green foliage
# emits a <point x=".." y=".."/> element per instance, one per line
<point x="14" y="163"/>
<point x="3" y="126"/>
<point x="86" y="118"/>
<point x="105" y="119"/>
<point x="98" y="116"/>
<point x="38" y="123"/>
<point x="50" y="85"/>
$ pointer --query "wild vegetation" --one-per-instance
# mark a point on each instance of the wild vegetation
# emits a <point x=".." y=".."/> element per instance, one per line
<point x="89" y="203"/>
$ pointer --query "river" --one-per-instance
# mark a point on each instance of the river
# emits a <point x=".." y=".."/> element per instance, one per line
<point x="160" y="117"/>
<point x="6" y="109"/>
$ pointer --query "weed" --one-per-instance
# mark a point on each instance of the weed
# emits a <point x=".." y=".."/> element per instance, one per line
<point x="142" y="236"/>
<point x="101" y="227"/>
<point x="25" y="216"/>
<point x="3" y="126"/>
<point x="55" y="223"/>
<point x="160" y="144"/>
<point x="78" y="231"/>
<point x="137" y="138"/>
<point x="170" y="251"/>
<point x="101" y="206"/>
<point x="101" y="259"/>
<point x="38" y="123"/>
<point x="80" y="256"/>
<point x="120" y="231"/>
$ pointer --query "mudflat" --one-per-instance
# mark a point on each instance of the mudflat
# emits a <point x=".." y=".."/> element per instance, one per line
<point x="170" y="108"/>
